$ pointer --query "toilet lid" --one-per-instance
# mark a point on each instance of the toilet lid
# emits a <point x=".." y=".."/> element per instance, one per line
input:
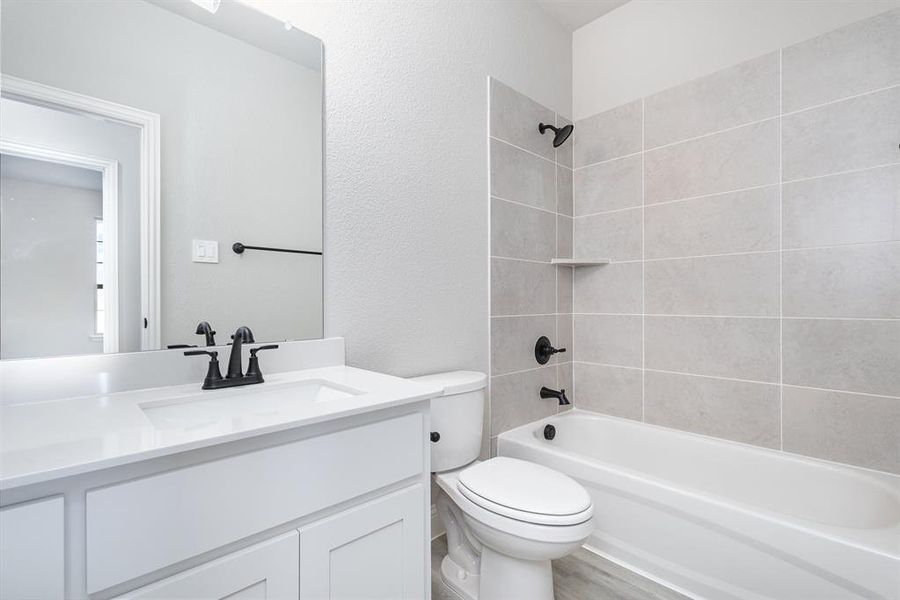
<point x="526" y="491"/>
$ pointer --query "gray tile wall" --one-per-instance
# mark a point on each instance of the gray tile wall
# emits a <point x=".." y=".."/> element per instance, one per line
<point x="531" y="223"/>
<point x="753" y="220"/>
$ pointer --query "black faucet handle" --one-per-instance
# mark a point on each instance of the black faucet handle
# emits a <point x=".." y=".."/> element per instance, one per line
<point x="213" y="374"/>
<point x="253" y="368"/>
<point x="213" y="354"/>
<point x="253" y="351"/>
<point x="543" y="350"/>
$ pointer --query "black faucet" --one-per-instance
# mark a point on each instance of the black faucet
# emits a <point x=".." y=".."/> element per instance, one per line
<point x="235" y="376"/>
<point x="560" y="395"/>
<point x="203" y="328"/>
<point x="241" y="336"/>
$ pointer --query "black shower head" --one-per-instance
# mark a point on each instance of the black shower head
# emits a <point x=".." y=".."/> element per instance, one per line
<point x="562" y="133"/>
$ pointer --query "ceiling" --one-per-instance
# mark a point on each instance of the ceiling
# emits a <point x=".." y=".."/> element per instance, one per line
<point x="576" y="13"/>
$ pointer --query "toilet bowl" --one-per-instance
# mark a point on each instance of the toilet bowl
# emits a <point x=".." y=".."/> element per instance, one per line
<point x="501" y="547"/>
<point x="506" y="518"/>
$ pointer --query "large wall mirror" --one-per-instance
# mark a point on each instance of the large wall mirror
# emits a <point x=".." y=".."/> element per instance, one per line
<point x="140" y="141"/>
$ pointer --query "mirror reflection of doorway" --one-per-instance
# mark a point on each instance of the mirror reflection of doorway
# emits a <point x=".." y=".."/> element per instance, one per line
<point x="58" y="279"/>
<point x="62" y="140"/>
<point x="52" y="126"/>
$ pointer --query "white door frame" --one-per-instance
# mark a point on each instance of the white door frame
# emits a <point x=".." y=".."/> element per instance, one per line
<point x="148" y="125"/>
<point x="109" y="170"/>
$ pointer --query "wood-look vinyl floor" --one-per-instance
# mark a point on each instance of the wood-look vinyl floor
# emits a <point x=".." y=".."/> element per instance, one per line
<point x="580" y="576"/>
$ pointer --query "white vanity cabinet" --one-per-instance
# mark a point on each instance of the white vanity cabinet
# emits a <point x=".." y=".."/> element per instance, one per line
<point x="186" y="512"/>
<point x="370" y="551"/>
<point x="32" y="551"/>
<point x="336" y="509"/>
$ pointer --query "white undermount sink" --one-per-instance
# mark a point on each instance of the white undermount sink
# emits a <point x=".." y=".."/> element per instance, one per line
<point x="246" y="406"/>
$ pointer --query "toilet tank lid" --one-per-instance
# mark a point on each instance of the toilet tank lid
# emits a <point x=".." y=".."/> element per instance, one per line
<point x="455" y="382"/>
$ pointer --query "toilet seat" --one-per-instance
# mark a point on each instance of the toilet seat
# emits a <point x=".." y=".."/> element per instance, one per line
<point x="526" y="492"/>
<point x="448" y="481"/>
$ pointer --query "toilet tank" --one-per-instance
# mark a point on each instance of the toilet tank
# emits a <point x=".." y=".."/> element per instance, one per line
<point x="457" y="416"/>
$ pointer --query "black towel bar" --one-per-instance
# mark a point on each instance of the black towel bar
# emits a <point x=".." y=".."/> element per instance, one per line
<point x="239" y="249"/>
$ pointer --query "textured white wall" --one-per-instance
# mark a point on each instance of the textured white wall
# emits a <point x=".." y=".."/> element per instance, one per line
<point x="647" y="46"/>
<point x="406" y="225"/>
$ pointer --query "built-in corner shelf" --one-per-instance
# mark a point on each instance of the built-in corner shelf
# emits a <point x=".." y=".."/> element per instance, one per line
<point x="579" y="262"/>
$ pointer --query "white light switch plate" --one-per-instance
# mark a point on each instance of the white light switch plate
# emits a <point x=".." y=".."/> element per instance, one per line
<point x="205" y="251"/>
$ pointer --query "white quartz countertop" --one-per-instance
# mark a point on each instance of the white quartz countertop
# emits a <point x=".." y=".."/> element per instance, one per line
<point x="47" y="440"/>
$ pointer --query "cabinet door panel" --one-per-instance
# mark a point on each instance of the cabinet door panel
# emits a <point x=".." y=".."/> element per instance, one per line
<point x="266" y="571"/>
<point x="374" y="551"/>
<point x="32" y="550"/>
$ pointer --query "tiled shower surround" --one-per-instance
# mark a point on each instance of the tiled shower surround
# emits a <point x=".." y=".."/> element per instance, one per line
<point x="753" y="221"/>
<point x="531" y="223"/>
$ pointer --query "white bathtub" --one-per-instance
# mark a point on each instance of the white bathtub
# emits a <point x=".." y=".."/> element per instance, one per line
<point x="719" y="520"/>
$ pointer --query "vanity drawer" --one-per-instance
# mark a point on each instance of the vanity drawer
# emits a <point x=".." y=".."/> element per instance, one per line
<point x="143" y="525"/>
<point x="267" y="570"/>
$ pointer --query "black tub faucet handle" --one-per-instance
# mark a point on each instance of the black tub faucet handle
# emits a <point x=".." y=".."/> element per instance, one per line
<point x="543" y="350"/>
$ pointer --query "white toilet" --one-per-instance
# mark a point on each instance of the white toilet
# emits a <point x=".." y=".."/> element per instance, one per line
<point x="506" y="519"/>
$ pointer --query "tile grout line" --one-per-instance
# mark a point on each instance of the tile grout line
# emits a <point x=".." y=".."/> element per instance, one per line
<point x="830" y="102"/>
<point x="517" y="316"/>
<point x="525" y="260"/>
<point x="844" y="245"/>
<point x="737" y="379"/>
<point x="686" y="374"/>
<point x="608" y="212"/>
<point x="694" y="256"/>
<point x="526" y="150"/>
<point x="523" y="205"/>
<point x="854" y="393"/>
<point x="752" y="252"/>
<point x="836" y="173"/>
<point x="556" y="252"/>
<point x="713" y="194"/>
<point x="685" y="316"/>
<point x="490" y="365"/>
<point x="643" y="269"/>
<point x="712" y="316"/>
<point x="529" y="370"/>
<point x="572" y="283"/>
<point x="781" y="249"/>
<point x="712" y="133"/>
<point x="605" y="161"/>
<point x="778" y="116"/>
